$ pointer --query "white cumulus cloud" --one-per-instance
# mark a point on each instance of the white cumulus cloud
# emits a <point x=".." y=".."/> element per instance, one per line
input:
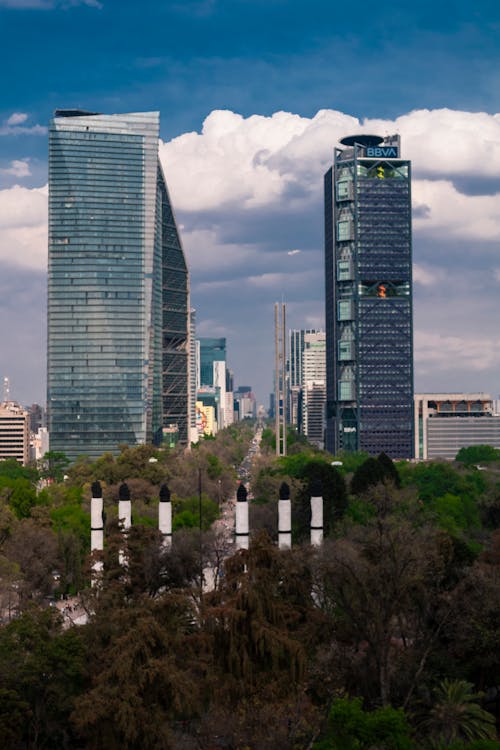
<point x="23" y="227"/>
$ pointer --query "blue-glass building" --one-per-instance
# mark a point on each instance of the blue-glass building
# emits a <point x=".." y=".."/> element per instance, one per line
<point x="368" y="295"/>
<point x="211" y="350"/>
<point x="117" y="287"/>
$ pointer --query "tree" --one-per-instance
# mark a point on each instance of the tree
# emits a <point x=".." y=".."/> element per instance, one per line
<point x="477" y="454"/>
<point x="352" y="728"/>
<point x="146" y="670"/>
<point x="380" y="585"/>
<point x="53" y="465"/>
<point x="367" y="475"/>
<point x="455" y="714"/>
<point x="390" y="471"/>
<point x="41" y="671"/>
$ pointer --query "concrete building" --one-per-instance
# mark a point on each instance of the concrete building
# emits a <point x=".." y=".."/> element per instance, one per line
<point x="368" y="297"/>
<point x="117" y="289"/>
<point x="446" y="422"/>
<point x="14" y="432"/>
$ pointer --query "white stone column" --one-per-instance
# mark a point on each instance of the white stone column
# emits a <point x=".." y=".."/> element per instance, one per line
<point x="316" y="513"/>
<point x="96" y="529"/>
<point x="124" y="515"/>
<point x="284" y="518"/>
<point x="165" y="517"/>
<point x="242" y="527"/>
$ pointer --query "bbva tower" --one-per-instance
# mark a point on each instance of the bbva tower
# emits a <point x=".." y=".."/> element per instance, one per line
<point x="117" y="369"/>
<point x="368" y="294"/>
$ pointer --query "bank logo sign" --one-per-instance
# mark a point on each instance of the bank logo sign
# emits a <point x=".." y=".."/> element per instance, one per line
<point x="383" y="152"/>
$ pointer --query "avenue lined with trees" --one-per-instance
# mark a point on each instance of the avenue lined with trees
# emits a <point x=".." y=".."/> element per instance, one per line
<point x="384" y="638"/>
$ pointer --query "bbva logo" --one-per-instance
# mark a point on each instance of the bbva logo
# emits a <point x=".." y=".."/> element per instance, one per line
<point x="387" y="153"/>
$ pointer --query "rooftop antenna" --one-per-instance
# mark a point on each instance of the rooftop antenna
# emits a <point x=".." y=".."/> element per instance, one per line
<point x="6" y="389"/>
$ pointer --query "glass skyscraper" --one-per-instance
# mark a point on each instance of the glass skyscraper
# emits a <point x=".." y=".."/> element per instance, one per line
<point x="369" y="327"/>
<point x="117" y="368"/>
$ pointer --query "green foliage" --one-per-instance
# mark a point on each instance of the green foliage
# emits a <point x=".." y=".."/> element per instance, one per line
<point x="352" y="728"/>
<point x="42" y="679"/>
<point x="214" y="467"/>
<point x="187" y="512"/>
<point x="350" y="461"/>
<point x="477" y="454"/>
<point x="12" y="469"/>
<point x="53" y="465"/>
<point x="455" y="514"/>
<point x="455" y="714"/>
<point x="359" y="511"/>
<point x="389" y="469"/>
<point x="21" y="495"/>
<point x="436" y="479"/>
<point x="367" y="475"/>
<point x="72" y="518"/>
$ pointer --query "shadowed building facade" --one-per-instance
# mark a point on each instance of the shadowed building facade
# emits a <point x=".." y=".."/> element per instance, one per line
<point x="368" y="295"/>
<point x="117" y="368"/>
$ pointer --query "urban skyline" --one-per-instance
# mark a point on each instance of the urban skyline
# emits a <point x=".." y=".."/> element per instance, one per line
<point x="244" y="156"/>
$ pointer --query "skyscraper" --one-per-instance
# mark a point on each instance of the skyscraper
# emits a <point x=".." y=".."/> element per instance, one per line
<point x="211" y="350"/>
<point x="314" y="387"/>
<point x="369" y="330"/>
<point x="117" y="288"/>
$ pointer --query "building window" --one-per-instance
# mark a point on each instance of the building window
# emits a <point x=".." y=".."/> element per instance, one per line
<point x="346" y="390"/>
<point x="344" y="190"/>
<point x="344" y="270"/>
<point x="345" y="309"/>
<point x="344" y="230"/>
<point x="346" y="350"/>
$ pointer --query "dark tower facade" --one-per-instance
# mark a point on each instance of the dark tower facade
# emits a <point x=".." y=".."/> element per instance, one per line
<point x="368" y="297"/>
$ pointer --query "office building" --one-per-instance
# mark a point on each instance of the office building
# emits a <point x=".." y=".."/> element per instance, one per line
<point x="14" y="432"/>
<point x="211" y="350"/>
<point x="368" y="296"/>
<point x="294" y="369"/>
<point x="446" y="422"/>
<point x="193" y="376"/>
<point x="314" y="387"/>
<point x="117" y="288"/>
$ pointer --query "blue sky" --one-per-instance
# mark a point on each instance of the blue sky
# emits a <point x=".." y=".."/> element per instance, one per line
<point x="368" y="65"/>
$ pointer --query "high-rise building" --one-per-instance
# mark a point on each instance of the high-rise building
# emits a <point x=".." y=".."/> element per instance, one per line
<point x="369" y="330"/>
<point x="117" y="289"/>
<point x="294" y="369"/>
<point x="211" y="350"/>
<point x="314" y="387"/>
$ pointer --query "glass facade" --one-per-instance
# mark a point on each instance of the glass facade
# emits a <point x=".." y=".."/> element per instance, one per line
<point x="111" y="238"/>
<point x="211" y="350"/>
<point x="369" y="301"/>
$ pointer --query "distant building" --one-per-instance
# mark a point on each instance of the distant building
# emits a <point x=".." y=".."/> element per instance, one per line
<point x="117" y="287"/>
<point x="14" y="432"/>
<point x="295" y="377"/>
<point x="368" y="297"/>
<point x="194" y="350"/>
<point x="314" y="387"/>
<point x="211" y="350"/>
<point x="37" y="417"/>
<point x="245" y="405"/>
<point x="446" y="422"/>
